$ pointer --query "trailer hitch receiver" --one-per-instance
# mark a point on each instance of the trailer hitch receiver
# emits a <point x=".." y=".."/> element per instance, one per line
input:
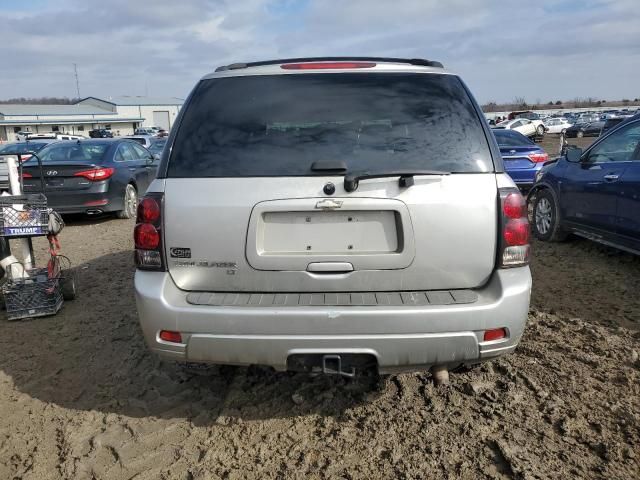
<point x="332" y="365"/>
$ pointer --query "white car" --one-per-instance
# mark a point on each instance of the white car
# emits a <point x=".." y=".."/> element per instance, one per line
<point x="557" y="125"/>
<point x="529" y="128"/>
<point x="24" y="136"/>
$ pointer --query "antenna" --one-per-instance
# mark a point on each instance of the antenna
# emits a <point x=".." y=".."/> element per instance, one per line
<point x="75" y="69"/>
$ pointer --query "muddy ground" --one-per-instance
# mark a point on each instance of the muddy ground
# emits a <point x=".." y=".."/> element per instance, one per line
<point x="82" y="398"/>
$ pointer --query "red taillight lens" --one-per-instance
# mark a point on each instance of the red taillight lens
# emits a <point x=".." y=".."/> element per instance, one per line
<point x="148" y="210"/>
<point x="96" y="174"/>
<point x="146" y="236"/>
<point x="516" y="232"/>
<point x="496" y="334"/>
<point x="514" y="206"/>
<point x="24" y="158"/>
<point x="26" y="175"/>
<point x="538" y="157"/>
<point x="169" y="336"/>
<point x="148" y="233"/>
<point x="326" y="65"/>
<point x="514" y="244"/>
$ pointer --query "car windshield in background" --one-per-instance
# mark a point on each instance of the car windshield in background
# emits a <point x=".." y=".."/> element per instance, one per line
<point x="509" y="138"/>
<point x="22" y="147"/>
<point x="279" y="125"/>
<point x="74" y="152"/>
<point x="157" y="146"/>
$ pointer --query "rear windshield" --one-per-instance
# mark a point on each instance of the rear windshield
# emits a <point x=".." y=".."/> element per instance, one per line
<point x="509" y="138"/>
<point x="73" y="152"/>
<point x="279" y="125"/>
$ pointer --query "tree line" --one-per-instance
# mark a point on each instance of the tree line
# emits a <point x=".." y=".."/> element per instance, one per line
<point x="41" y="101"/>
<point x="519" y="103"/>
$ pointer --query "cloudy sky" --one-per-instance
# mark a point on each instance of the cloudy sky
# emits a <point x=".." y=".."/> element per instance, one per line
<point x="543" y="49"/>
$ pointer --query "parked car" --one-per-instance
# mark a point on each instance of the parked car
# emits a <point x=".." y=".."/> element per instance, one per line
<point x="92" y="176"/>
<point x="151" y="131"/>
<point x="588" y="118"/>
<point x="580" y="130"/>
<point x="557" y="125"/>
<point x="529" y="128"/>
<point x="595" y="193"/>
<point x="334" y="233"/>
<point x="100" y="133"/>
<point x="22" y="135"/>
<point x="522" y="157"/>
<point x="21" y="147"/>
<point x="612" y="122"/>
<point x="157" y="146"/>
<point x="528" y="114"/>
<point x="144" y="140"/>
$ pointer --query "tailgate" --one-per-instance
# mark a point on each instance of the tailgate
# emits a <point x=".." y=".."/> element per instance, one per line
<point x="439" y="233"/>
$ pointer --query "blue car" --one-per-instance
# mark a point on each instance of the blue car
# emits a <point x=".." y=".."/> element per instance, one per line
<point x="522" y="157"/>
<point x="595" y="193"/>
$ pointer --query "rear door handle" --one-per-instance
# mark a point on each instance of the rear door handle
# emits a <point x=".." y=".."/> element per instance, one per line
<point x="612" y="177"/>
<point x="330" y="267"/>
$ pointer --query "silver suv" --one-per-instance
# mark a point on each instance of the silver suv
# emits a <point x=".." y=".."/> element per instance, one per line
<point x="332" y="214"/>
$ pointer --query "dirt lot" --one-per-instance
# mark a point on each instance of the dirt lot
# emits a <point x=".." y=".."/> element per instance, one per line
<point x="81" y="397"/>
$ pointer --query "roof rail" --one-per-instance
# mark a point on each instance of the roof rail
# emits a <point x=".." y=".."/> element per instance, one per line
<point x="410" y="61"/>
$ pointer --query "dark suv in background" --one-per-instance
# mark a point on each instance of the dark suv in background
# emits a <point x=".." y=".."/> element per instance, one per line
<point x="100" y="133"/>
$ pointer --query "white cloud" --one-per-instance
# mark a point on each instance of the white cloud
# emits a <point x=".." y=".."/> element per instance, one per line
<point x="549" y="49"/>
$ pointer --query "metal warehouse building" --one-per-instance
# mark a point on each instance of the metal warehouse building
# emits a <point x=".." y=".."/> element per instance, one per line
<point x="118" y="114"/>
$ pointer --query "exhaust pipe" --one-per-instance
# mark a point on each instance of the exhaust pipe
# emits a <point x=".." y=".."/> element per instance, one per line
<point x="94" y="211"/>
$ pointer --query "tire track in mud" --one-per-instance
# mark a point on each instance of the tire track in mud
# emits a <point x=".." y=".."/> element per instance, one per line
<point x="81" y="397"/>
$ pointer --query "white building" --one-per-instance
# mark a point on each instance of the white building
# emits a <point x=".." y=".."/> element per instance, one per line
<point x="122" y="115"/>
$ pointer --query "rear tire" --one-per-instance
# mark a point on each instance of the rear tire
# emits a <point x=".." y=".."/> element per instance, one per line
<point x="540" y="131"/>
<point x="580" y="134"/>
<point x="130" y="203"/>
<point x="546" y="218"/>
<point x="68" y="285"/>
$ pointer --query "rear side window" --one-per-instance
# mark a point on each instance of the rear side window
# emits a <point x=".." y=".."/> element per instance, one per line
<point x="279" y="125"/>
<point x="507" y="138"/>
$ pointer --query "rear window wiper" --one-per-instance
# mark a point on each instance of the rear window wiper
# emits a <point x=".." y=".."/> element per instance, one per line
<point x="352" y="180"/>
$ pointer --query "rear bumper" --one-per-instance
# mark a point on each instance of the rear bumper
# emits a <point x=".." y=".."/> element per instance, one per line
<point x="399" y="337"/>
<point x="524" y="177"/>
<point x="84" y="202"/>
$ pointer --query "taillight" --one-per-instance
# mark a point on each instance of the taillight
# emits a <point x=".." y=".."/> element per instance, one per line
<point x="26" y="175"/>
<point x="170" y="336"/>
<point x="538" y="157"/>
<point x="514" y="227"/>
<point x="326" y="65"/>
<point x="148" y="210"/>
<point x="495" y="334"/>
<point x="24" y="158"/>
<point x="96" y="174"/>
<point x="146" y="236"/>
<point x="147" y="233"/>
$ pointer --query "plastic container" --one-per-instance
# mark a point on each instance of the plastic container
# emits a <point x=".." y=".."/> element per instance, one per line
<point x="43" y="292"/>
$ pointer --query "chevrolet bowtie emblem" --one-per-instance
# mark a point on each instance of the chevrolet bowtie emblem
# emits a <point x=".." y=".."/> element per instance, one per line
<point x="328" y="204"/>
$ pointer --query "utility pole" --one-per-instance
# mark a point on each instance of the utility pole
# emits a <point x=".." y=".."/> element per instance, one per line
<point x="75" y="69"/>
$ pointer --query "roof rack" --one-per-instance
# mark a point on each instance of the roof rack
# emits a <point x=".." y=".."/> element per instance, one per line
<point x="410" y="61"/>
